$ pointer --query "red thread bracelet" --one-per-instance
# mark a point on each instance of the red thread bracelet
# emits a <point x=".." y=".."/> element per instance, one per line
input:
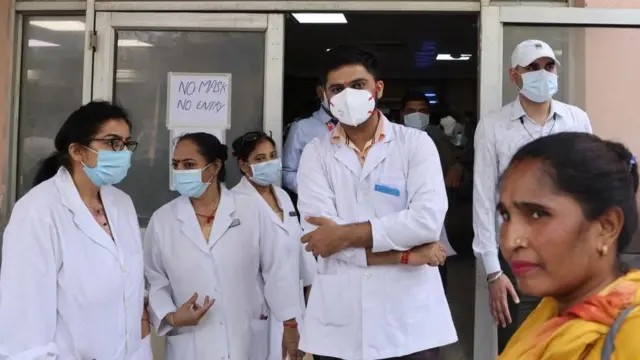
<point x="405" y="257"/>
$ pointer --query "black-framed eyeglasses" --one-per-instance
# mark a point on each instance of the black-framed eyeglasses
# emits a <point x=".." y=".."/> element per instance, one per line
<point x="119" y="144"/>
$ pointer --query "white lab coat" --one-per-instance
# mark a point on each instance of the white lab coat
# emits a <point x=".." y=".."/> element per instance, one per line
<point x="247" y="267"/>
<point x="67" y="290"/>
<point x="291" y="229"/>
<point x="377" y="312"/>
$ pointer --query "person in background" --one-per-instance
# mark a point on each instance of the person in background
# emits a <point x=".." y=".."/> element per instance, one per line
<point x="222" y="247"/>
<point x="258" y="160"/>
<point x="71" y="281"/>
<point x="415" y="109"/>
<point x="369" y="194"/>
<point x="568" y="209"/>
<point x="301" y="133"/>
<point x="499" y="134"/>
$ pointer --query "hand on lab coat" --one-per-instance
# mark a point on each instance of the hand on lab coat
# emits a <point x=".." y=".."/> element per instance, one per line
<point x="327" y="239"/>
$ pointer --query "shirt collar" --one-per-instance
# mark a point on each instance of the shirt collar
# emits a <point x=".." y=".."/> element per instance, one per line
<point x="322" y="115"/>
<point x="339" y="136"/>
<point x="517" y="111"/>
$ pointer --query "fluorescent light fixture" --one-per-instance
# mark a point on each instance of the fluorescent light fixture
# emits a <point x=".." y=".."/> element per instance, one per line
<point x="430" y="94"/>
<point x="449" y="57"/>
<point x="59" y="25"/>
<point x="132" y="43"/>
<point x="320" y="18"/>
<point x="433" y="102"/>
<point x="40" y="43"/>
<point x="557" y="52"/>
<point x="128" y="76"/>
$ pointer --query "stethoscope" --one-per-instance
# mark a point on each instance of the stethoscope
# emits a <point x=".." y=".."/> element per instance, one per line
<point x="528" y="132"/>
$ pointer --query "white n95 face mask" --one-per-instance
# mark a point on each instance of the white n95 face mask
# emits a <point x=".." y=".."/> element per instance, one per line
<point x="448" y="124"/>
<point x="352" y="107"/>
<point x="539" y="86"/>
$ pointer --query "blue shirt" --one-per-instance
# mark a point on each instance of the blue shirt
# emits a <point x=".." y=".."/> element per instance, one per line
<point x="300" y="134"/>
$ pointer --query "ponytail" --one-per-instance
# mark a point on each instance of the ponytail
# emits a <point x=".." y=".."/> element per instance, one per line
<point x="48" y="168"/>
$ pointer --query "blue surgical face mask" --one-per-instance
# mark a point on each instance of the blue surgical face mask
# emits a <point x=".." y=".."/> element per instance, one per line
<point x="111" y="167"/>
<point x="266" y="173"/>
<point x="416" y="120"/>
<point x="539" y="86"/>
<point x="189" y="182"/>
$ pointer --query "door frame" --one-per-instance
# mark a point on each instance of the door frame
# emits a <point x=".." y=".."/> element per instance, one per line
<point x="107" y="23"/>
<point x="492" y="69"/>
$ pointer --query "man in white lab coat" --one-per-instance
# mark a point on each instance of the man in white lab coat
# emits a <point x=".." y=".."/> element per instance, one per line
<point x="369" y="192"/>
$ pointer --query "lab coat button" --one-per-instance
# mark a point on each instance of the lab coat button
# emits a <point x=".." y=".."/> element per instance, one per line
<point x="221" y="323"/>
<point x="367" y="275"/>
<point x="124" y="269"/>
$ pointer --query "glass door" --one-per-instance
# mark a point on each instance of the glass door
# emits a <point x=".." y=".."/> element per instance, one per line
<point x="136" y="51"/>
<point x="598" y="52"/>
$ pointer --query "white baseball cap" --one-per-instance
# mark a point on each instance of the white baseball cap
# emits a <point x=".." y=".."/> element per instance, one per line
<point x="529" y="51"/>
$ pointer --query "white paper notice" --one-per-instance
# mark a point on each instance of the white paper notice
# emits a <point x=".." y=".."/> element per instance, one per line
<point x="176" y="133"/>
<point x="198" y="100"/>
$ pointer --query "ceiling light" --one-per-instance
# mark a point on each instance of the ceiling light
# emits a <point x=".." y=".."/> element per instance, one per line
<point x="40" y="43"/>
<point x="449" y="57"/>
<point x="320" y="18"/>
<point x="132" y="43"/>
<point x="59" y="25"/>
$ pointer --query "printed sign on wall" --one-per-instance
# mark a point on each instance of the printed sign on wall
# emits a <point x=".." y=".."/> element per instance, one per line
<point x="198" y="100"/>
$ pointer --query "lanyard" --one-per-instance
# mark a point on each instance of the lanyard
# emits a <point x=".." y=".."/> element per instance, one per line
<point x="542" y="132"/>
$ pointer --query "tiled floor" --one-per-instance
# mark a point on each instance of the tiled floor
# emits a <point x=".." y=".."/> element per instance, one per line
<point x="460" y="292"/>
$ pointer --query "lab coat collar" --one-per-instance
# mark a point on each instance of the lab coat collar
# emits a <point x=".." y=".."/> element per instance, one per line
<point x="377" y="153"/>
<point x="82" y="217"/>
<point x="221" y="222"/>
<point x="246" y="187"/>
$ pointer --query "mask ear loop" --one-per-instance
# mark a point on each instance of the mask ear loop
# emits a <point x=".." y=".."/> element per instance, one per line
<point x="93" y="151"/>
<point x="211" y="178"/>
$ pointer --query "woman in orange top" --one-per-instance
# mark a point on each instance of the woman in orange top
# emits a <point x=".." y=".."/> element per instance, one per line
<point x="568" y="207"/>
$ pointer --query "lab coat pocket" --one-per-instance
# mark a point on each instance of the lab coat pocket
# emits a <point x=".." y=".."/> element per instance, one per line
<point x="144" y="351"/>
<point x="389" y="195"/>
<point x="329" y="301"/>
<point x="407" y="291"/>
<point x="259" y="339"/>
<point x="181" y="347"/>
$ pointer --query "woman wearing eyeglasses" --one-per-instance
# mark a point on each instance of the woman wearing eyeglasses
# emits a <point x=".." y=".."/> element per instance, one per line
<point x="258" y="160"/>
<point x="218" y="270"/>
<point x="71" y="282"/>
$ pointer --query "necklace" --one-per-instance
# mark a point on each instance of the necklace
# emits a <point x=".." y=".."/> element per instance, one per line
<point x="209" y="218"/>
<point x="542" y="133"/>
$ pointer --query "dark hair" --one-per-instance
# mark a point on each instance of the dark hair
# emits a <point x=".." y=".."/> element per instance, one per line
<point x="342" y="55"/>
<point x="79" y="128"/>
<point x="598" y="174"/>
<point x="415" y="95"/>
<point x="244" y="145"/>
<point x="210" y="148"/>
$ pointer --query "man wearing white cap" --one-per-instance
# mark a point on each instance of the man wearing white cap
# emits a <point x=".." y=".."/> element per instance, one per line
<point x="499" y="135"/>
